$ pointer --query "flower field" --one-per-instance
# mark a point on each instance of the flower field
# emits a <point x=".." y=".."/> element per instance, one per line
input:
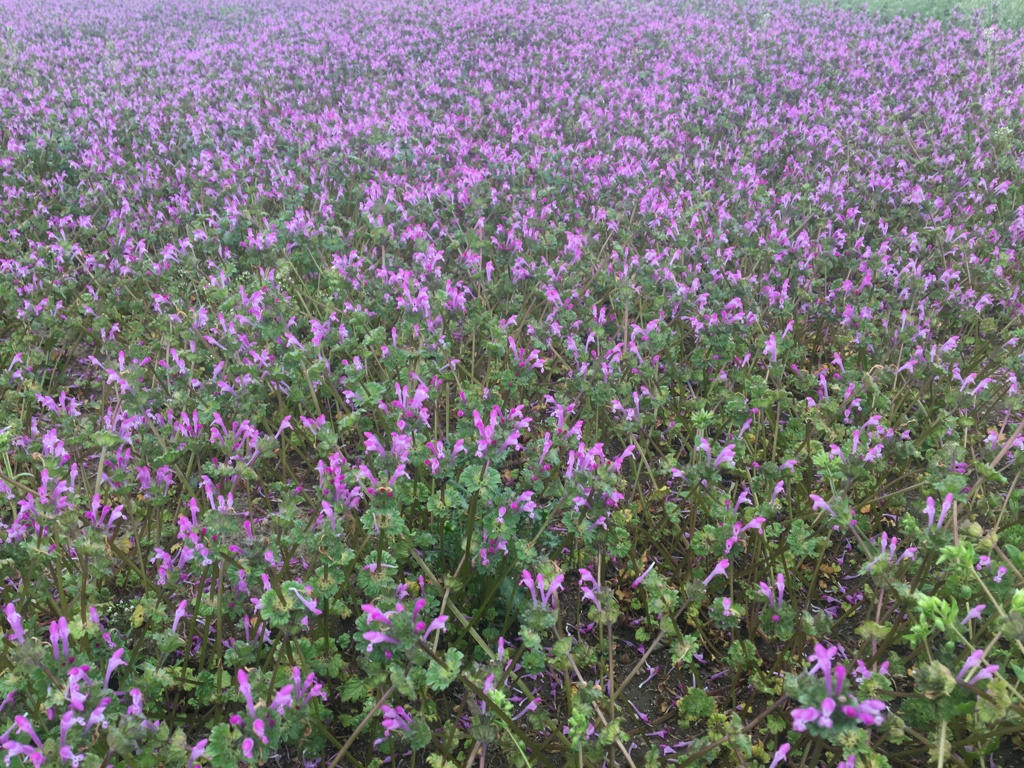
<point x="534" y="383"/>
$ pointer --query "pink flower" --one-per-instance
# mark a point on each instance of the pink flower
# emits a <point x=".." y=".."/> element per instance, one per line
<point x="395" y="719"/>
<point x="819" y="504"/>
<point x="179" y="614"/>
<point x="18" y="633"/>
<point x="22" y="725"/>
<point x="589" y="587"/>
<point x="726" y="456"/>
<point x="286" y="423"/>
<point x="59" y="632"/>
<point x="802" y="717"/>
<point x="15" y="748"/>
<point x="259" y="729"/>
<point x="246" y="691"/>
<point x="197" y="751"/>
<point x="310" y="603"/>
<point x="780" y="755"/>
<point x="640" y="579"/>
<point x="719" y="570"/>
<point x="116" y="660"/>
<point x="374" y="637"/>
<point x="283" y="699"/>
<point x="974" y="613"/>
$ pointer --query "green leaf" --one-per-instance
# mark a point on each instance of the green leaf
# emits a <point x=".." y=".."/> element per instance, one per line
<point x="353" y="690"/>
<point x="437" y="677"/>
<point x="220" y="750"/>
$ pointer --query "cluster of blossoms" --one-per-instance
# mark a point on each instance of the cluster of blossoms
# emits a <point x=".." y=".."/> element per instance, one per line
<point x="399" y="625"/>
<point x="838" y="708"/>
<point x="293" y="695"/>
<point x="91" y="705"/>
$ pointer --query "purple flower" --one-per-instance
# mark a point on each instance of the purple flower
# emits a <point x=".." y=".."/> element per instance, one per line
<point x="98" y="715"/>
<point x="283" y="699"/>
<point x="310" y="603"/>
<point x="726" y="456"/>
<point x="59" y="632"/>
<point x="116" y="660"/>
<point x="819" y="504"/>
<point x="438" y="624"/>
<point x="15" y="748"/>
<point x="395" y="719"/>
<point x="76" y="698"/>
<point x="589" y="587"/>
<point x="23" y="726"/>
<point x="135" y="708"/>
<point x="869" y="712"/>
<point x="780" y="755"/>
<point x="286" y="423"/>
<point x="197" y="751"/>
<point x="974" y="613"/>
<point x="640" y="579"/>
<point x="540" y="594"/>
<point x="719" y="570"/>
<point x="259" y="729"/>
<point x="18" y="633"/>
<point x="374" y="637"/>
<point x="531" y="707"/>
<point x="179" y="614"/>
<point x="246" y="691"/>
<point x="929" y="510"/>
<point x="804" y="716"/>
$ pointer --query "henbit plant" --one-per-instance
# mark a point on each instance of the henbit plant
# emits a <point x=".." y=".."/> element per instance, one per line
<point x="546" y="383"/>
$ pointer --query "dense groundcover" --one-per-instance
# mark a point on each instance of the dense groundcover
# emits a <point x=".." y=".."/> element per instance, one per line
<point x="509" y="383"/>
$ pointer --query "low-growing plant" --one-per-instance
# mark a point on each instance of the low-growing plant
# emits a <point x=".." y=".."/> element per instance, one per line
<point x="541" y="384"/>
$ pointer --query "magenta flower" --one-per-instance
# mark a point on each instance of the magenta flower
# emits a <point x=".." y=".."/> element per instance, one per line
<point x="15" y="748"/>
<point x="286" y="423"/>
<point x="780" y="755"/>
<point x="246" y="691"/>
<point x="395" y="719"/>
<point x="719" y="570"/>
<point x="868" y="712"/>
<point x="179" y="614"/>
<point x="59" y="632"/>
<point x="116" y="660"/>
<point x="197" y="751"/>
<point x="310" y="602"/>
<point x="726" y="455"/>
<point x="640" y="579"/>
<point x="18" y="633"/>
<point x="929" y="510"/>
<point x="98" y="715"/>
<point x="373" y="637"/>
<point x="23" y="726"/>
<point x="819" y="504"/>
<point x="589" y="587"/>
<point x="438" y="624"/>
<point x="283" y="699"/>
<point x="974" y="613"/>
<point x="540" y="595"/>
<point x="135" y="708"/>
<point x="76" y="698"/>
